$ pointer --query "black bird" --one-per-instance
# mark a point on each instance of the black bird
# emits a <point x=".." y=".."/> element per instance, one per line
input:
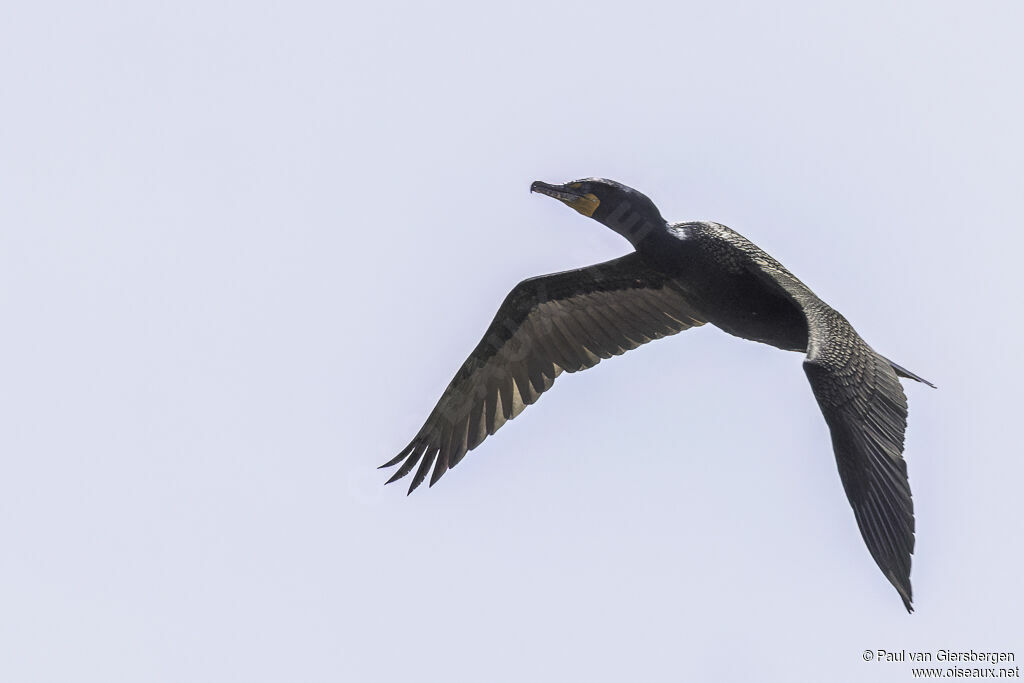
<point x="682" y="275"/>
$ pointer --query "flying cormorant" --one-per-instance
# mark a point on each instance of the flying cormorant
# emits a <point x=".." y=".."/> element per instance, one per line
<point x="682" y="275"/>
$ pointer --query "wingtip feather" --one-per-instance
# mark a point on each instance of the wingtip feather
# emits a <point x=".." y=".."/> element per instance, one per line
<point x="402" y="455"/>
<point x="395" y="477"/>
<point x="902" y="587"/>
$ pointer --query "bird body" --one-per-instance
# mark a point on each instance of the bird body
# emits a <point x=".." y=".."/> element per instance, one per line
<point x="682" y="275"/>
<point x="722" y="273"/>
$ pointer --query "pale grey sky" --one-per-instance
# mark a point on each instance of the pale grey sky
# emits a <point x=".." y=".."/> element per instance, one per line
<point x="244" y="246"/>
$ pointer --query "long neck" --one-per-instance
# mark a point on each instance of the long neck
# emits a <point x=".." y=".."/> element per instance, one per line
<point x="635" y="221"/>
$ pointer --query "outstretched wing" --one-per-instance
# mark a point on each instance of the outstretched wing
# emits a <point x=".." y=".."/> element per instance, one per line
<point x="565" y="321"/>
<point x="866" y="412"/>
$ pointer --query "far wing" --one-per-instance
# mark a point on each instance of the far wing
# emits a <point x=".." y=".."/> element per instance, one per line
<point x="565" y="321"/>
<point x="866" y="411"/>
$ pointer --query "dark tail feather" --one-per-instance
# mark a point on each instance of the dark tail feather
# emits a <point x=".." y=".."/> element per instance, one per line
<point x="903" y="372"/>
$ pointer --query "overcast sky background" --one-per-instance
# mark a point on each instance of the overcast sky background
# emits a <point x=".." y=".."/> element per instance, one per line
<point x="245" y="246"/>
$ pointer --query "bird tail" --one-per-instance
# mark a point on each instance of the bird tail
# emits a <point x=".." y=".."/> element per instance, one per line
<point x="903" y="372"/>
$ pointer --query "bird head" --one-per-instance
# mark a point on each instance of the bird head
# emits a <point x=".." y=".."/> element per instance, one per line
<point x="619" y="207"/>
